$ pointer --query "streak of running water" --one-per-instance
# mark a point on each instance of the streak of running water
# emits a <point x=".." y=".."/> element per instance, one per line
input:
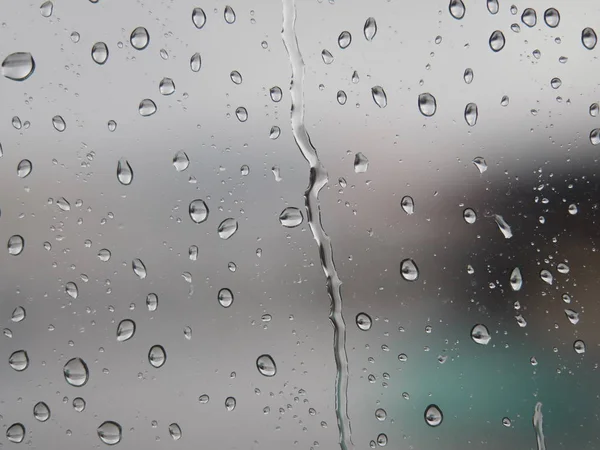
<point x="538" y="425"/>
<point x="318" y="179"/>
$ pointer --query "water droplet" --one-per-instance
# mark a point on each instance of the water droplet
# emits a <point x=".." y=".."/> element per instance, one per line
<point x="157" y="356"/>
<point x="291" y="217"/>
<point x="480" y="163"/>
<point x="276" y="94"/>
<point x="124" y="172"/>
<point x="193" y="252"/>
<point x="379" y="96"/>
<point x="109" y="432"/>
<point x="139" y="38"/>
<point x="327" y="56"/>
<point x="274" y="132"/>
<point x="100" y="53"/>
<point x="493" y="6"/>
<point x="363" y="321"/>
<point x="112" y="125"/>
<point x="187" y="333"/>
<point x="175" y="431"/>
<point x="18" y="66"/>
<point x="18" y="314"/>
<point x="166" y="86"/>
<point x="76" y="372"/>
<point x="195" y="62"/>
<point x="244" y="170"/>
<point x="355" y="77"/>
<point x="594" y="109"/>
<point x="515" y="28"/>
<point x="468" y="75"/>
<point x="563" y="59"/>
<point x="241" y="114"/>
<point x="204" y="399"/>
<point x="536" y="54"/>
<point x="504" y="101"/>
<point x="566" y="298"/>
<point x="555" y="83"/>
<point x="341" y="97"/>
<point x="15" y="433"/>
<point x="266" y="366"/>
<point x="344" y="39"/>
<point x="595" y="136"/>
<point x="63" y="204"/>
<point x="227" y="228"/>
<point x="46" y="9"/>
<point x="497" y="41"/>
<point x="457" y="9"/>
<point x="146" y="107"/>
<point x="71" y="289"/>
<point x="382" y="440"/>
<point x="59" y="123"/>
<point x="529" y="17"/>
<point x="552" y="17"/>
<point x="16" y="123"/>
<point x="579" y="346"/>
<point x="480" y="334"/>
<point x="41" y="411"/>
<point x="152" y="302"/>
<point x="503" y="226"/>
<point x="24" y="168"/>
<point x="513" y="10"/>
<point x="427" y="104"/>
<point x="546" y="276"/>
<point x="19" y="360"/>
<point x="139" y="268"/>
<point x="125" y="330"/>
<point x="506" y="422"/>
<point x="75" y="37"/>
<point x="230" y="403"/>
<point x="370" y="28"/>
<point x="433" y="416"/>
<point x="516" y="279"/>
<point x="361" y="163"/>
<point x="469" y="215"/>
<point x="408" y="204"/>
<point x="181" y="161"/>
<point x="588" y="38"/>
<point x="409" y="270"/>
<point x="78" y="404"/>
<point x="15" y="245"/>
<point x="380" y="414"/>
<point x="225" y="297"/>
<point x="471" y="114"/>
<point x="198" y="17"/>
<point x="236" y="77"/>
<point x="573" y="316"/>
<point x="229" y="14"/>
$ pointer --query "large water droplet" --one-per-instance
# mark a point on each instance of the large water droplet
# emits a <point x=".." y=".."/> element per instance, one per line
<point x="15" y="245"/>
<point x="291" y="217"/>
<point x="471" y="114"/>
<point x="229" y="14"/>
<point x="493" y="6"/>
<point x="342" y="97"/>
<point x="469" y="215"/>
<point x="274" y="132"/>
<point x="59" y="123"/>
<point x="370" y="28"/>
<point x="480" y="163"/>
<point x="572" y="315"/>
<point x="408" y="204"/>
<point x="71" y="289"/>
<point x="139" y="268"/>
<point x="18" y="314"/>
<point x="76" y="372"/>
<point x="18" y="66"/>
<point x="181" y="161"/>
<point x="46" y="9"/>
<point x="241" y="113"/>
<point x="41" y="411"/>
<point x="594" y="109"/>
<point x="15" y="433"/>
<point x="433" y="416"/>
<point x="552" y="17"/>
<point x="230" y="403"/>
<point x="595" y="136"/>
<point x="497" y="41"/>
<point x="109" y="432"/>
<point x="327" y="56"/>
<point x="100" y="53"/>
<point x="529" y="17"/>
<point x="379" y="96"/>
<point x="198" y="17"/>
<point x="468" y="75"/>
<point x="124" y="172"/>
<point x="146" y="107"/>
<point x="266" y="366"/>
<point x="555" y="83"/>
<point x="236" y="77"/>
<point x="579" y="346"/>
<point x="344" y="39"/>
<point x="157" y="356"/>
<point x="63" y="204"/>
<point x="361" y="163"/>
<point x="198" y="211"/>
<point x="457" y="9"/>
<point x="276" y="94"/>
<point x="166" y="86"/>
<point x="175" y="431"/>
<point x="152" y="302"/>
<point x="409" y="270"/>
<point x="139" y="38"/>
<point x="363" y="321"/>
<point x="24" y="168"/>
<point x="503" y="226"/>
<point x="225" y="298"/>
<point x="480" y="334"/>
<point x="516" y="279"/>
<point x="427" y="104"/>
<point x="546" y="276"/>
<point x="19" y="360"/>
<point x="227" y="228"/>
<point x="125" y="330"/>
<point x="195" y="62"/>
<point x="589" y="38"/>
<point x="78" y="404"/>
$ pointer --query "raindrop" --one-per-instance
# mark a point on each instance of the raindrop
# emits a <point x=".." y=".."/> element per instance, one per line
<point x="175" y="431"/>
<point x="181" y="161"/>
<point x="193" y="252"/>
<point x="24" y="168"/>
<point x="327" y="56"/>
<point x="229" y="14"/>
<point x="546" y="276"/>
<point x="572" y="315"/>
<point x="555" y="83"/>
<point x="15" y="433"/>
<point x="457" y="9"/>
<point x="552" y="17"/>
<point x="266" y="366"/>
<point x="195" y="62"/>
<point x="497" y="41"/>
<point x="480" y="334"/>
<point x="341" y="97"/>
<point x="19" y="360"/>
<point x="71" y="289"/>
<point x="124" y="172"/>
<point x="230" y="403"/>
<point x="125" y="330"/>
<point x="361" y="163"/>
<point x="380" y="414"/>
<point x="76" y="372"/>
<point x="139" y="268"/>
<point x="493" y="6"/>
<point x="504" y="101"/>
<point x="579" y="346"/>
<point x="227" y="228"/>
<point x="276" y="94"/>
<point x="18" y="314"/>
<point x="370" y="28"/>
<point x="225" y="298"/>
<point x="198" y="17"/>
<point x="16" y="123"/>
<point x="274" y="132"/>
<point x="187" y="333"/>
<point x="112" y="125"/>
<point x="589" y="38"/>
<point x="379" y="96"/>
<point x="46" y="9"/>
<point x="59" y="123"/>
<point x="529" y="17"/>
<point x="244" y="170"/>
<point x="41" y="411"/>
<point x="204" y="399"/>
<point x="146" y="107"/>
<point x="382" y="440"/>
<point x="469" y="215"/>
<point x="236" y="77"/>
<point x="15" y="245"/>
<point x="18" y="66"/>
<point x="152" y="302"/>
<point x="139" y="38"/>
<point x="515" y="28"/>
<point x="566" y="298"/>
<point x="344" y="39"/>
<point x="409" y="270"/>
<point x="75" y="37"/>
<point x="291" y="217"/>
<point x="166" y="86"/>
<point x="104" y="255"/>
<point x="109" y="432"/>
<point x="594" y="109"/>
<point x="468" y="75"/>
<point x="433" y="416"/>
<point x="157" y="356"/>
<point x="503" y="226"/>
<point x="78" y="404"/>
<point x="241" y="114"/>
<point x="355" y="78"/>
<point x="63" y="204"/>
<point x="480" y="163"/>
<point x="595" y="136"/>
<point x="363" y="321"/>
<point x="427" y="104"/>
<point x="506" y="422"/>
<point x="516" y="279"/>
<point x="100" y="53"/>
<point x="471" y="114"/>
<point x="408" y="204"/>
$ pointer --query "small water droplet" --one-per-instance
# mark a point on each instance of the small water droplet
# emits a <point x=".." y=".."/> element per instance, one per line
<point x="469" y="215"/>
<point x="274" y="132"/>
<point x="229" y="14"/>
<point x="291" y="217"/>
<point x="187" y="333"/>
<point x="19" y="360"/>
<point x="457" y="9"/>
<point x="125" y="330"/>
<point x="515" y="28"/>
<point x="503" y="226"/>
<point x="572" y="315"/>
<point x="480" y="334"/>
<point x="112" y="125"/>
<point x="379" y="96"/>
<point x="506" y="422"/>
<point x="355" y="77"/>
<point x="227" y="228"/>
<point x="380" y="414"/>
<point x="46" y="9"/>
<point x="480" y="163"/>
<point x="266" y="366"/>
<point x="327" y="56"/>
<point x="18" y="314"/>
<point x="204" y="399"/>
<point x="104" y="255"/>
<point x="552" y="17"/>
<point x="589" y="38"/>
<point x="409" y="270"/>
<point x="408" y="204"/>
<point x="504" y="101"/>
<point x="109" y="432"/>
<point x="139" y="38"/>
<point x="382" y="439"/>
<point x="146" y="107"/>
<point x="516" y="279"/>
<point x="75" y="37"/>
<point x="59" y="123"/>
<point x="157" y="356"/>
<point x="63" y="204"/>
<point x="493" y="6"/>
<point x="181" y="161"/>
<point x="71" y="289"/>
<point x="195" y="62"/>
<point x="241" y="113"/>
<point x="555" y="83"/>
<point x="344" y="39"/>
<point x="276" y="94"/>
<point x="595" y="136"/>
<point x="78" y="404"/>
<point x="139" y="268"/>
<point x="124" y="172"/>
<point x="15" y="433"/>
<point x="361" y="163"/>
<point x="579" y="346"/>
<point x="24" y="168"/>
<point x="566" y="298"/>
<point x="529" y="17"/>
<point x="433" y="416"/>
<point x="230" y="403"/>
<point x="471" y="114"/>
<point x="363" y="321"/>
<point x="370" y="28"/>
<point x="546" y="276"/>
<point x="41" y="411"/>
<point x="76" y="372"/>
<point x="594" y="109"/>
<point x="175" y="431"/>
<point x="166" y="86"/>
<point x="341" y="97"/>
<point x="236" y="77"/>
<point x="198" y="17"/>
<point x="225" y="298"/>
<point x="193" y="252"/>
<point x="497" y="41"/>
<point x="18" y="66"/>
<point x="427" y="104"/>
<point x="152" y="302"/>
<point x="100" y="53"/>
<point x="468" y="75"/>
<point x="15" y="245"/>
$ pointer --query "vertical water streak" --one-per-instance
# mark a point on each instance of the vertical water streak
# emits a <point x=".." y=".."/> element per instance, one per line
<point x="538" y="426"/>
<point x="318" y="179"/>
